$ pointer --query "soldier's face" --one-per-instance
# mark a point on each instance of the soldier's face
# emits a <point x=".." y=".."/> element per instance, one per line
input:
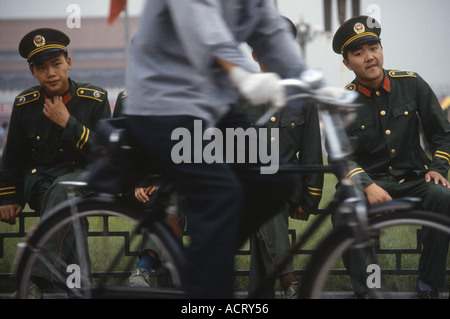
<point x="367" y="64"/>
<point x="53" y="74"/>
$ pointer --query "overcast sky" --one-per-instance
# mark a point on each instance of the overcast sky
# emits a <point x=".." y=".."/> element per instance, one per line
<point x="415" y="33"/>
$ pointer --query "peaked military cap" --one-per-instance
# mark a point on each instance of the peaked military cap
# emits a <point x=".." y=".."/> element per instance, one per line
<point x="356" y="31"/>
<point x="41" y="44"/>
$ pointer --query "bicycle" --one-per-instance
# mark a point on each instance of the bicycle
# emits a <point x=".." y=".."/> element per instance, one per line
<point x="104" y="272"/>
<point x="361" y="228"/>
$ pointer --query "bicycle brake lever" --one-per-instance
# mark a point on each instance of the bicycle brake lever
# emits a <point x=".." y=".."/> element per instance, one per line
<point x="342" y="95"/>
<point x="313" y="78"/>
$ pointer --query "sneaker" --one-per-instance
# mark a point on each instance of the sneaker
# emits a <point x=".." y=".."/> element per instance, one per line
<point x="431" y="293"/>
<point x="34" y="292"/>
<point x="139" y="278"/>
<point x="293" y="291"/>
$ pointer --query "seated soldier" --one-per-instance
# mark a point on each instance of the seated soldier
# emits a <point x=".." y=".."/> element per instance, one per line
<point x="50" y="134"/>
<point x="389" y="158"/>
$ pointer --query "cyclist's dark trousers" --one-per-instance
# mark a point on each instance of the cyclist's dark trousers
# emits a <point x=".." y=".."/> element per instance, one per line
<point x="222" y="206"/>
<point x="432" y="264"/>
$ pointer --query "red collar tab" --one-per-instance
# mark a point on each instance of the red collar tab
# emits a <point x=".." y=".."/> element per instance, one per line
<point x="387" y="84"/>
<point x="368" y="92"/>
<point x="364" y="90"/>
<point x="67" y="97"/>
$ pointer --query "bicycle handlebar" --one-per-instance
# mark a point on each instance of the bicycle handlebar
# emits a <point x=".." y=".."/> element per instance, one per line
<point x="319" y="93"/>
<point x="311" y="87"/>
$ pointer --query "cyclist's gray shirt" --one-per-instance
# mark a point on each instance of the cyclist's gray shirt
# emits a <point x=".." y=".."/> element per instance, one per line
<point x="171" y="68"/>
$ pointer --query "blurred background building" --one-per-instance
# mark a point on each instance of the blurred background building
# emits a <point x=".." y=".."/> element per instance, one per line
<point x="415" y="36"/>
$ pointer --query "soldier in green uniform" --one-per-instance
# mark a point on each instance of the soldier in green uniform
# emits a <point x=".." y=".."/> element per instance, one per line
<point x="389" y="159"/>
<point x="51" y="129"/>
<point x="299" y="143"/>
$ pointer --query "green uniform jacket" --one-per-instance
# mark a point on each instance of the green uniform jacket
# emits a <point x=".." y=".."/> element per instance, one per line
<point x="387" y="129"/>
<point x="300" y="143"/>
<point x="37" y="150"/>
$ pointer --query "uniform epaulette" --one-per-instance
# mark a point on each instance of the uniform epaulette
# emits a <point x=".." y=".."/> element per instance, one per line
<point x="27" y="98"/>
<point x="402" y="74"/>
<point x="91" y="93"/>
<point x="123" y="94"/>
<point x="351" y="87"/>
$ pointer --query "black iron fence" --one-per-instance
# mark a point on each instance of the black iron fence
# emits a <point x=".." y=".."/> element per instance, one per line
<point x="21" y="231"/>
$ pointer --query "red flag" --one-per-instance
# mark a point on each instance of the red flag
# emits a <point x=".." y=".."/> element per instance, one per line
<point x="116" y="7"/>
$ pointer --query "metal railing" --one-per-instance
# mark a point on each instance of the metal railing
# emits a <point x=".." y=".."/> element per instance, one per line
<point x="398" y="254"/>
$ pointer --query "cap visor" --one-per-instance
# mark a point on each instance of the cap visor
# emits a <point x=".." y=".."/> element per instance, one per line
<point x="363" y="40"/>
<point x="45" y="55"/>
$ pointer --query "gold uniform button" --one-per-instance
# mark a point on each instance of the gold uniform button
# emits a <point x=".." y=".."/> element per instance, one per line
<point x="61" y="150"/>
<point x="38" y="138"/>
<point x="406" y="113"/>
<point x="272" y="139"/>
<point x="33" y="171"/>
<point x="82" y="91"/>
<point x="393" y="151"/>
<point x="363" y="127"/>
<point x="273" y="119"/>
<point x="293" y="124"/>
<point x="378" y="93"/>
<point x="390" y="168"/>
<point x="388" y="132"/>
<point x="383" y="113"/>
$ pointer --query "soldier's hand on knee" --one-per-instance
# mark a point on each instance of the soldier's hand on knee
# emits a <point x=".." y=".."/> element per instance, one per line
<point x="299" y="214"/>
<point x="436" y="178"/>
<point x="377" y="195"/>
<point x="8" y="213"/>
<point x="143" y="193"/>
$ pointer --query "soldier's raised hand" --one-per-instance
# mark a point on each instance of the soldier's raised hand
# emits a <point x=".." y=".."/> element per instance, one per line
<point x="56" y="111"/>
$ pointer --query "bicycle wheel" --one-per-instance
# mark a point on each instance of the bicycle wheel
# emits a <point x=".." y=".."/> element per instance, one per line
<point x="395" y="248"/>
<point x="90" y="248"/>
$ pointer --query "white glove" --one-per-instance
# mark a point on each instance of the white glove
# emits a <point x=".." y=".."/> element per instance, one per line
<point x="258" y="88"/>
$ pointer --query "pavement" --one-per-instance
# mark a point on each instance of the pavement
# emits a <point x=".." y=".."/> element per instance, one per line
<point x="349" y="295"/>
<point x="278" y="295"/>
